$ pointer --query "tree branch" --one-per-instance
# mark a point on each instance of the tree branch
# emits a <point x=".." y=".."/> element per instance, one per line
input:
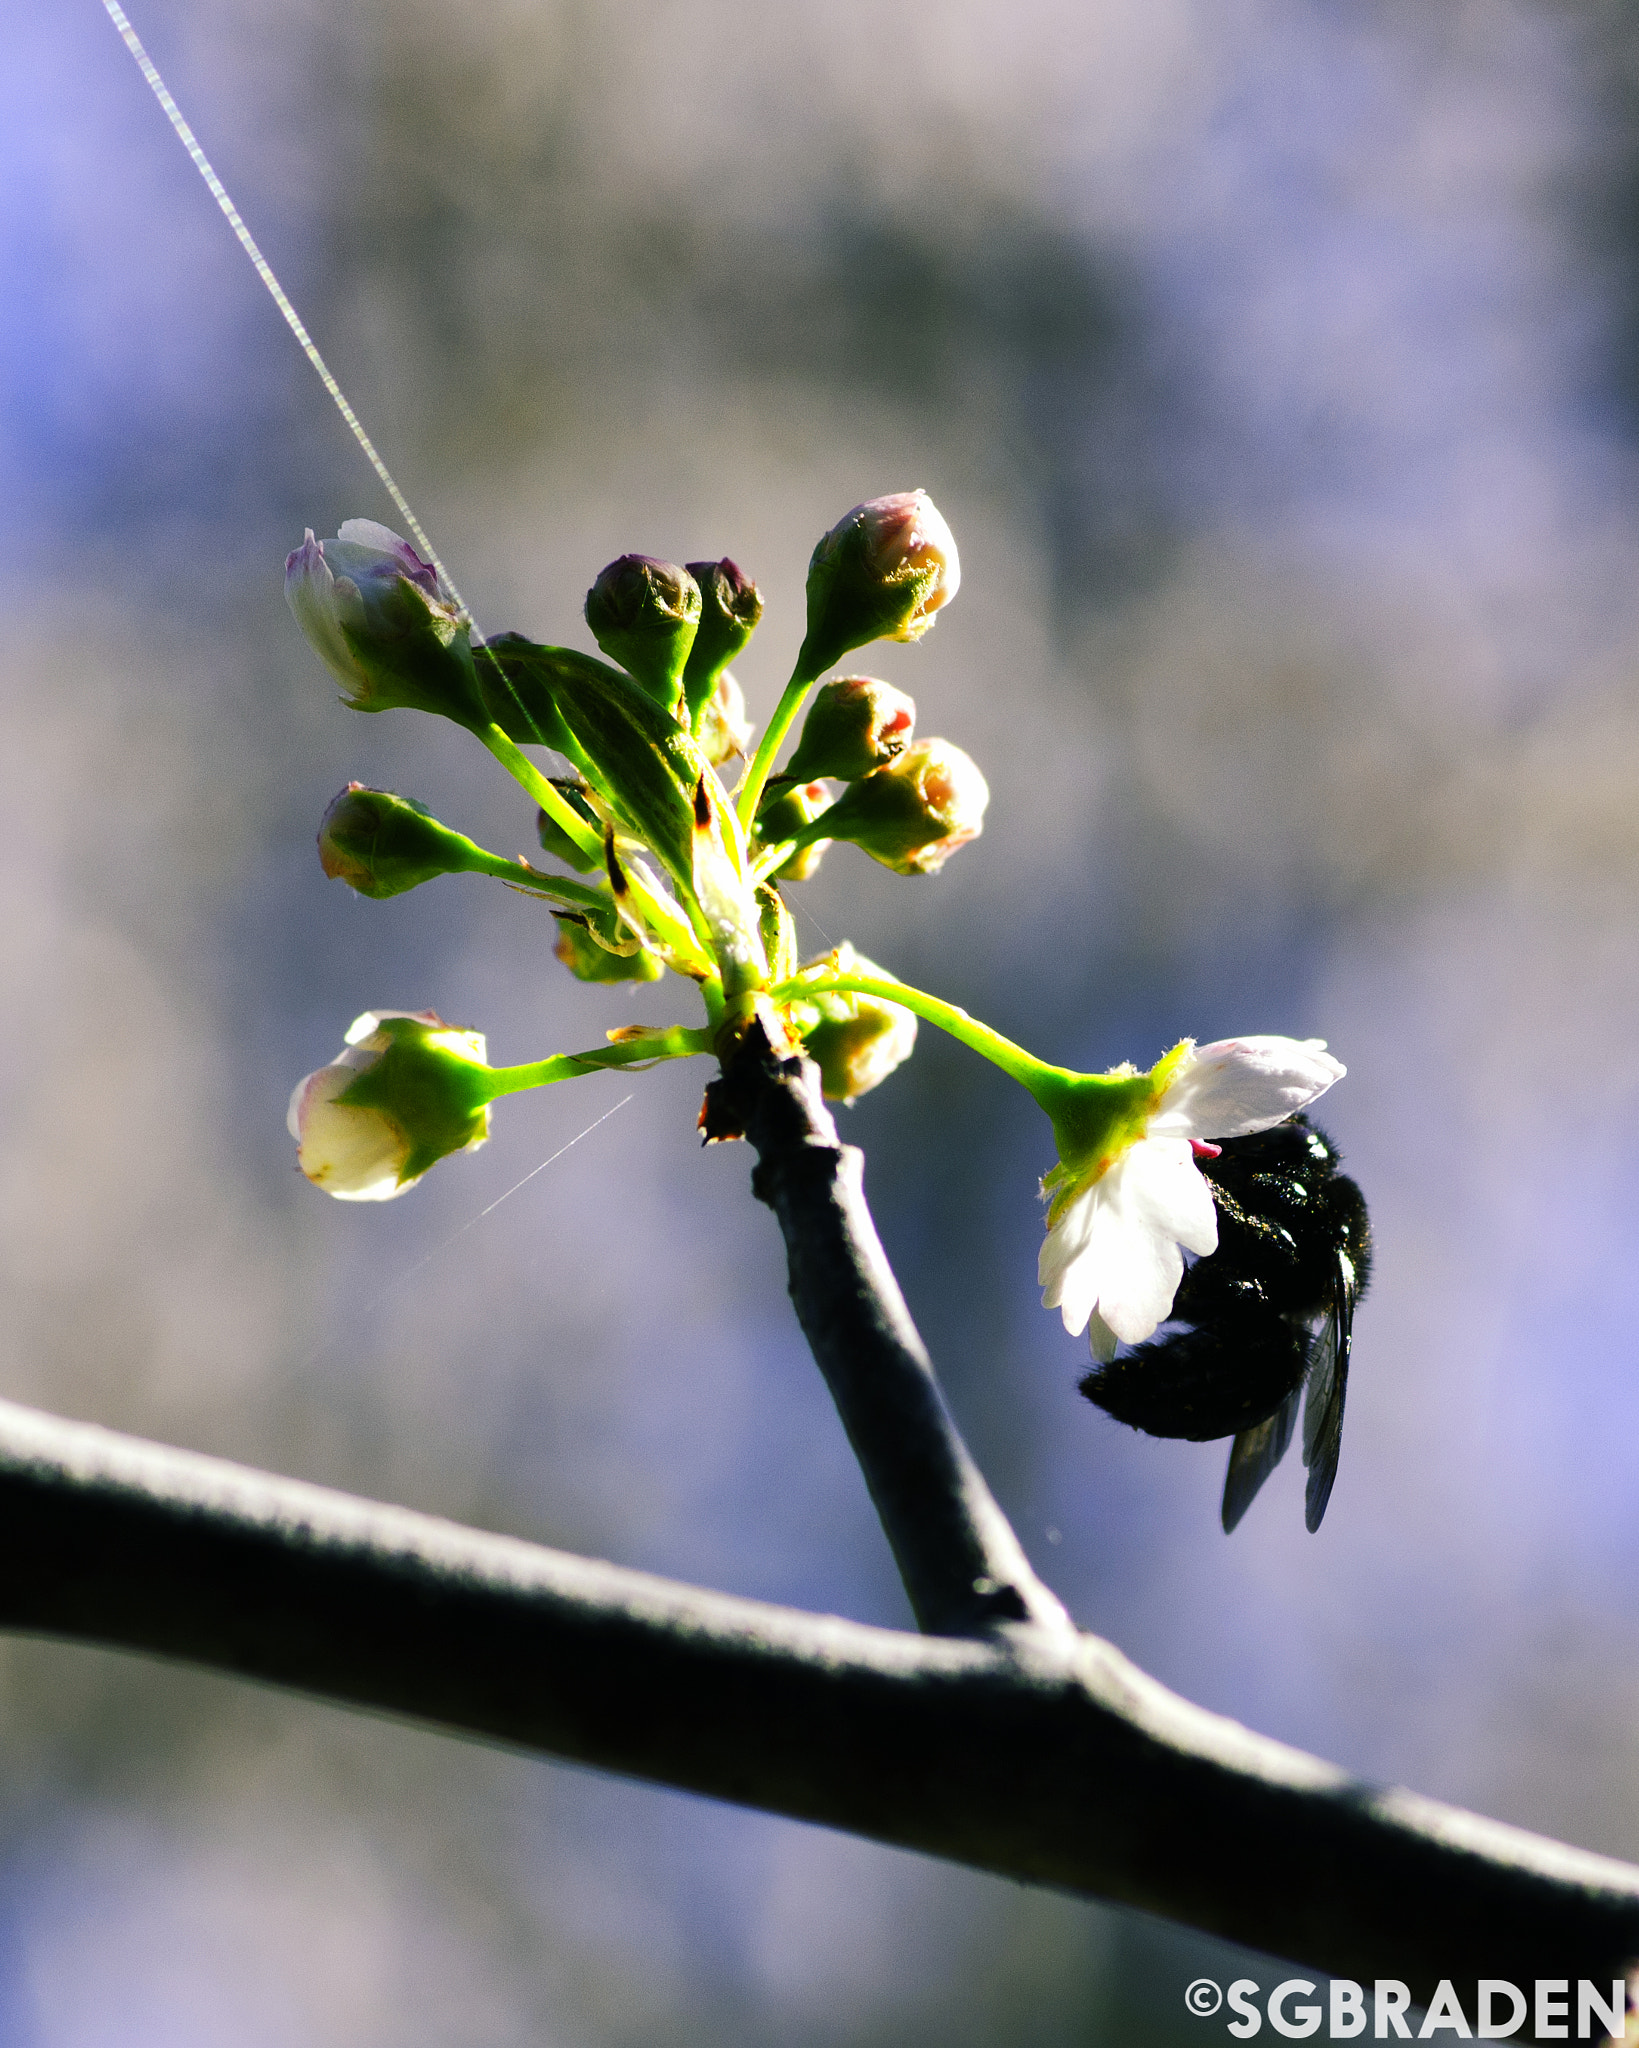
<point x="1042" y="1759"/>
<point x="963" y="1567"/>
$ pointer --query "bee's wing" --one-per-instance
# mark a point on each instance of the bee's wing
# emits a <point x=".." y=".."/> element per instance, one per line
<point x="1254" y="1455"/>
<point x="1327" y="1384"/>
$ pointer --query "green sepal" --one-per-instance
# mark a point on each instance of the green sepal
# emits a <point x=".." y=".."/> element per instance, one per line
<point x="1095" y="1118"/>
<point x="436" y="1097"/>
<point x="416" y="657"/>
<point x="645" y="614"/>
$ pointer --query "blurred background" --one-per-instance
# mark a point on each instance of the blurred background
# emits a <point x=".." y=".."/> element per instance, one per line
<point x="1277" y="366"/>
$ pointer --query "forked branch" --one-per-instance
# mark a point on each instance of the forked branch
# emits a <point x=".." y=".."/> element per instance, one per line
<point x="1000" y="1739"/>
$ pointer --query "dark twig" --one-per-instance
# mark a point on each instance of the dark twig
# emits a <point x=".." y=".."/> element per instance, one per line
<point x="1057" y="1763"/>
<point x="963" y="1567"/>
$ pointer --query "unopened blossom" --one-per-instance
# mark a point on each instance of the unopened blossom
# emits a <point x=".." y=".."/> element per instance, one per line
<point x="857" y="1041"/>
<point x="881" y="573"/>
<point x="381" y="620"/>
<point x="416" y="1096"/>
<point x="915" y="813"/>
<point x="855" y="725"/>
<point x="730" y="607"/>
<point x="645" y="613"/>
<point x="1128" y="1201"/>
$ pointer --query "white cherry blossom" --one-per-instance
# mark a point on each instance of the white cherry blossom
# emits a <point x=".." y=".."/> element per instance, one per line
<point x="1118" y="1228"/>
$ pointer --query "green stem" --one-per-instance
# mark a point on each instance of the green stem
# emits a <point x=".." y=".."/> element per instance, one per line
<point x="676" y="1044"/>
<point x="551" y="799"/>
<point x="1022" y="1066"/>
<point x="751" y="790"/>
<point x="672" y="932"/>
<point x="556" y="888"/>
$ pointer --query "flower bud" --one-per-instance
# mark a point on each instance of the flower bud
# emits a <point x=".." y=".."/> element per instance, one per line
<point x="730" y="606"/>
<point x="408" y="1091"/>
<point x="381" y="844"/>
<point x="383" y="623"/>
<point x="913" y="814"/>
<point x="854" y="725"/>
<point x="722" y="727"/>
<point x="587" y="960"/>
<point x="785" y="816"/>
<point x="644" y="614"/>
<point x="879" y="574"/>
<point x="555" y="840"/>
<point x="856" y="1041"/>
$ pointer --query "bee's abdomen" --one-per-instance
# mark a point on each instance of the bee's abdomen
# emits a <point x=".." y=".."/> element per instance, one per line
<point x="1208" y="1382"/>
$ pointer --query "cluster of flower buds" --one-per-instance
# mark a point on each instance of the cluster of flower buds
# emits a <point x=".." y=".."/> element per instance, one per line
<point x="676" y="844"/>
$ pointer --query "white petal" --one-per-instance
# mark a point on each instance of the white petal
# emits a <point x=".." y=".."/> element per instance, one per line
<point x="1113" y="1259"/>
<point x="1139" y="1267"/>
<point x="1067" y="1281"/>
<point x="370" y="533"/>
<point x="371" y="1022"/>
<point x="354" y="1154"/>
<point x="1239" y="1085"/>
<point x="1166" y="1189"/>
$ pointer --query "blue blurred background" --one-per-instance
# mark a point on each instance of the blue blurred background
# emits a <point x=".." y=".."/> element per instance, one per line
<point x="1276" y="364"/>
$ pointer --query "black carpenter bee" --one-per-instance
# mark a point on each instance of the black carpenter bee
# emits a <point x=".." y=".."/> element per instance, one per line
<point x="1269" y="1313"/>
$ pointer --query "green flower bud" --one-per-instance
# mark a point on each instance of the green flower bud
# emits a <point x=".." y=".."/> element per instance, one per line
<point x="555" y="840"/>
<point x="785" y="816"/>
<point x="913" y="814"/>
<point x="730" y="606"/>
<point x="855" y="725"/>
<point x="879" y="574"/>
<point x="383" y="623"/>
<point x="722" y="729"/>
<point x="588" y="960"/>
<point x="381" y="844"/>
<point x="856" y="1041"/>
<point x="408" y="1090"/>
<point x="645" y="614"/>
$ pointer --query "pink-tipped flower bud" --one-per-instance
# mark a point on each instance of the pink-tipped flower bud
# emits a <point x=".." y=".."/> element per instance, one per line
<point x="644" y="613"/>
<point x="856" y="1041"/>
<point x="383" y="622"/>
<point x="855" y="725"/>
<point x="722" y="727"/>
<point x="788" y="815"/>
<point x="913" y="814"/>
<point x="408" y="1090"/>
<point x="881" y="573"/>
<point x="730" y="607"/>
